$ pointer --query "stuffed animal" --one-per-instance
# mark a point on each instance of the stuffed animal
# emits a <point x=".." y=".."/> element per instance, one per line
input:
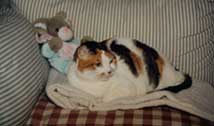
<point x="57" y="40"/>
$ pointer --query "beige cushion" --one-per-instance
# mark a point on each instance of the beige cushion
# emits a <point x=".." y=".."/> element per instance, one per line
<point x="181" y="29"/>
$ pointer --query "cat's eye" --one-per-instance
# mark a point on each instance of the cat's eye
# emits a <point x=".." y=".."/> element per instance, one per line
<point x="39" y="35"/>
<point x="98" y="64"/>
<point x="111" y="61"/>
<point x="57" y="29"/>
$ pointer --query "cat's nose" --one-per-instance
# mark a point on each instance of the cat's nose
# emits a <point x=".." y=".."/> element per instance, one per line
<point x="109" y="72"/>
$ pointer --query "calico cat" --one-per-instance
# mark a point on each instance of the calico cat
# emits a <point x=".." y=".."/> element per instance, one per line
<point x="120" y="67"/>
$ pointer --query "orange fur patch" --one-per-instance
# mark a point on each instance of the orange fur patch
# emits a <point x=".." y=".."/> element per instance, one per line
<point x="160" y="63"/>
<point x="90" y="62"/>
<point x="138" y="62"/>
<point x="111" y="56"/>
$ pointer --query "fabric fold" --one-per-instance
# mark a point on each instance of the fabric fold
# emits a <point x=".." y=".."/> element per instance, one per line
<point x="197" y="100"/>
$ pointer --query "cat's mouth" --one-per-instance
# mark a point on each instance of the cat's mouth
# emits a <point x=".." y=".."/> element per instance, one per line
<point x="105" y="76"/>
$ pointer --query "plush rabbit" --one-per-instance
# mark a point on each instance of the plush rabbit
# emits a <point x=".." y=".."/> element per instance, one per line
<point x="57" y="40"/>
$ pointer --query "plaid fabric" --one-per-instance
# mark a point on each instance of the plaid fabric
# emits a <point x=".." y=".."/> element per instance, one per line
<point x="46" y="113"/>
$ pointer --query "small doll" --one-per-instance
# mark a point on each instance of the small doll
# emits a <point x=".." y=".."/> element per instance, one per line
<point x="57" y="41"/>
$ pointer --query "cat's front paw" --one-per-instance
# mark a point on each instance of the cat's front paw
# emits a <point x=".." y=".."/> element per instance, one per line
<point x="117" y="92"/>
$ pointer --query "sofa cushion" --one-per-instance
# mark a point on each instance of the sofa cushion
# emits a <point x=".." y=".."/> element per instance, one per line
<point x="46" y="113"/>
<point x="23" y="71"/>
<point x="181" y="29"/>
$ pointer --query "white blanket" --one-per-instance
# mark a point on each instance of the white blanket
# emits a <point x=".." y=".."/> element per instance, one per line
<point x="197" y="100"/>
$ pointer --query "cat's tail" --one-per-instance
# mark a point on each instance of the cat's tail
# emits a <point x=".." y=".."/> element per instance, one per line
<point x="187" y="83"/>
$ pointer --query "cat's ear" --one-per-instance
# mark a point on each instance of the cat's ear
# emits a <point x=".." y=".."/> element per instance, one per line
<point x="83" y="52"/>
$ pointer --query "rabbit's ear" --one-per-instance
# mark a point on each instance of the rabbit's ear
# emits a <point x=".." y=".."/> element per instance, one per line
<point x="41" y="23"/>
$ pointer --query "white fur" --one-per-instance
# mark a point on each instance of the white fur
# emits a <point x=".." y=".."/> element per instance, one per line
<point x="141" y="82"/>
<point x="103" y="69"/>
<point x="170" y="76"/>
<point x="115" y="87"/>
<point x="123" y="83"/>
<point x="94" y="87"/>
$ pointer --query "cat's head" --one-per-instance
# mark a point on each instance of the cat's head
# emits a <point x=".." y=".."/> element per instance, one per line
<point x="94" y="61"/>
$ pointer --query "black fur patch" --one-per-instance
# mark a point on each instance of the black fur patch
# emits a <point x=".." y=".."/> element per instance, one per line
<point x="124" y="54"/>
<point x="150" y="56"/>
<point x="186" y="84"/>
<point x="92" y="46"/>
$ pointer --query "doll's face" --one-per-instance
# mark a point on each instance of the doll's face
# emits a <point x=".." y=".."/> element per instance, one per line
<point x="59" y="28"/>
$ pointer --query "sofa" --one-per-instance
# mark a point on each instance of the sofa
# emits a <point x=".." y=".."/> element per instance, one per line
<point x="183" y="30"/>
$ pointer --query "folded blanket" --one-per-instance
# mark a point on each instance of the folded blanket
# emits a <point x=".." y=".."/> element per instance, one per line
<point x="197" y="100"/>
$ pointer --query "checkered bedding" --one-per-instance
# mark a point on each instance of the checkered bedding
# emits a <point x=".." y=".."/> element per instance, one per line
<point x="46" y="113"/>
